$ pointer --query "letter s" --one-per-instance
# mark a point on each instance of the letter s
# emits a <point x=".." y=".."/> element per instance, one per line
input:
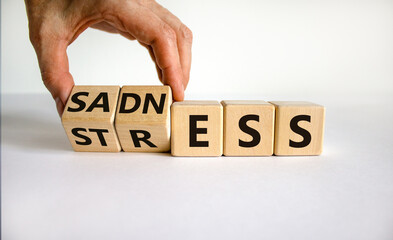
<point x="301" y="131"/>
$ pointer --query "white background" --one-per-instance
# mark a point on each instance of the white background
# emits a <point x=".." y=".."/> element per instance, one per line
<point x="335" y="53"/>
<point x="51" y="192"/>
<point x="244" y="49"/>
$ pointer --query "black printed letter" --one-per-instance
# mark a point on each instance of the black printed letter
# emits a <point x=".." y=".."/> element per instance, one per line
<point x="194" y="131"/>
<point x="76" y="133"/>
<point x="100" y="135"/>
<point x="303" y="132"/>
<point x="76" y="100"/>
<point x="124" y="101"/>
<point x="104" y="105"/>
<point x="256" y="137"/>
<point x="136" y="139"/>
<point x="149" y="98"/>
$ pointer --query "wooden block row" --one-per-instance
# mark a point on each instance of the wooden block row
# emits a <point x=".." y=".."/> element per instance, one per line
<point x="143" y="119"/>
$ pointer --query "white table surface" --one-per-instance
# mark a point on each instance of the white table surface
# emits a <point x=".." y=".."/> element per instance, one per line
<point x="51" y="192"/>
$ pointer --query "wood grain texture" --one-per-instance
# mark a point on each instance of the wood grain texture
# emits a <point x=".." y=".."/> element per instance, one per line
<point x="304" y="116"/>
<point x="146" y="128"/>
<point x="84" y="123"/>
<point x="206" y="120"/>
<point x="258" y="115"/>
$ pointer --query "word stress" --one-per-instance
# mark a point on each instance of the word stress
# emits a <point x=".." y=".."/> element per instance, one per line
<point x="144" y="119"/>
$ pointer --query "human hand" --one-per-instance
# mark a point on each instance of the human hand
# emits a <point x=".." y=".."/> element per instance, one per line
<point x="55" y="24"/>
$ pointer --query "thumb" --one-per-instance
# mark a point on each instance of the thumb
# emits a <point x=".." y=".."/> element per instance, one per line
<point x="53" y="61"/>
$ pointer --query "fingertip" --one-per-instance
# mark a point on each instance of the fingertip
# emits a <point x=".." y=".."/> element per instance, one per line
<point x="60" y="89"/>
<point x="178" y="92"/>
<point x="59" y="106"/>
<point x="65" y="92"/>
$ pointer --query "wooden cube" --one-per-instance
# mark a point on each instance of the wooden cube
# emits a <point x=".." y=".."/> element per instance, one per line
<point x="143" y="118"/>
<point x="248" y="128"/>
<point x="299" y="128"/>
<point x="88" y="118"/>
<point x="197" y="128"/>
